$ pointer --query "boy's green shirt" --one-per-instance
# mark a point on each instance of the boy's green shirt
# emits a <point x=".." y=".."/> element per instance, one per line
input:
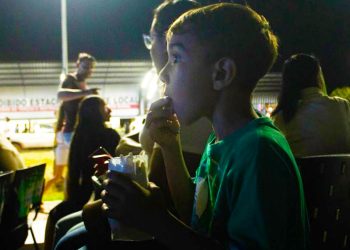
<point x="249" y="193"/>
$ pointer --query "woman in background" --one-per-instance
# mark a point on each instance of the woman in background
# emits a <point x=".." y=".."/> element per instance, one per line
<point x="90" y="134"/>
<point x="313" y="122"/>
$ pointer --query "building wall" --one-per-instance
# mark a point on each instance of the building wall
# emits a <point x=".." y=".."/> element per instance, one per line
<point x="28" y="90"/>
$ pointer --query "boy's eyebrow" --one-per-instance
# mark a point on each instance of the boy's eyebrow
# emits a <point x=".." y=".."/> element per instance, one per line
<point x="177" y="45"/>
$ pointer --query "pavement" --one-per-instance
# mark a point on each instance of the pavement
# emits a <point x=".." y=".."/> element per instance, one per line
<point x="38" y="225"/>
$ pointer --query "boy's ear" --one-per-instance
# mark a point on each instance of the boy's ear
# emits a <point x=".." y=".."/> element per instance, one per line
<point x="224" y="73"/>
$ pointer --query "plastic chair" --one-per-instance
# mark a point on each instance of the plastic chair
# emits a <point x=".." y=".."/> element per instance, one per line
<point x="6" y="179"/>
<point x="26" y="196"/>
<point x="30" y="186"/>
<point x="326" y="180"/>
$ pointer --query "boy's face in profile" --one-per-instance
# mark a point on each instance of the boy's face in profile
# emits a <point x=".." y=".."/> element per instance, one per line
<point x="188" y="78"/>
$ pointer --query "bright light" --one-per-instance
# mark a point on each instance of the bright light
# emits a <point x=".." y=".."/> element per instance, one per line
<point x="149" y="84"/>
<point x="149" y="77"/>
<point x="62" y="77"/>
<point x="152" y="89"/>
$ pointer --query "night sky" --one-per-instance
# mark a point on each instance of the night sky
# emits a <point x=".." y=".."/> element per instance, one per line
<point x="109" y="29"/>
<point x="30" y="30"/>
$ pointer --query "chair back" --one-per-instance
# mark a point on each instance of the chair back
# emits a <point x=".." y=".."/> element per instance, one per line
<point x="326" y="180"/>
<point x="5" y="185"/>
<point x="28" y="185"/>
<point x="25" y="194"/>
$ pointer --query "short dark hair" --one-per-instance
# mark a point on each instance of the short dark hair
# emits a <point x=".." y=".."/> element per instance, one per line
<point x="167" y="12"/>
<point x="236" y="31"/>
<point x="83" y="56"/>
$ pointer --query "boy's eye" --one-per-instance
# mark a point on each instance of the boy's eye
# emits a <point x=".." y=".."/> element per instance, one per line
<point x="174" y="58"/>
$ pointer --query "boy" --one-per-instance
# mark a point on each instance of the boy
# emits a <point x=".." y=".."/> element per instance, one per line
<point x="248" y="192"/>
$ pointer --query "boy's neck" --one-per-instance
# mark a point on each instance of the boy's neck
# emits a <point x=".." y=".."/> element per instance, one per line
<point x="232" y="113"/>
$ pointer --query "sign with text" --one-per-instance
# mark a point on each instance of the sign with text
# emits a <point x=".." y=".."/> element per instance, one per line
<point x="39" y="102"/>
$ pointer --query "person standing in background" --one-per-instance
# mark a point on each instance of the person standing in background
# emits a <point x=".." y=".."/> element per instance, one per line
<point x="72" y="90"/>
<point x="60" y="151"/>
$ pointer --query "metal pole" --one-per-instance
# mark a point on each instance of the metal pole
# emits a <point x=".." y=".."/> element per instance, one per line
<point x="64" y="38"/>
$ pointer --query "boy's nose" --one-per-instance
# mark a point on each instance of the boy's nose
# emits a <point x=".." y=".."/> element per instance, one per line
<point x="163" y="75"/>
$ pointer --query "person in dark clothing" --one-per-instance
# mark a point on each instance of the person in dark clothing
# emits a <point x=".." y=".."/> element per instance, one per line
<point x="74" y="88"/>
<point x="90" y="134"/>
<point x="71" y="91"/>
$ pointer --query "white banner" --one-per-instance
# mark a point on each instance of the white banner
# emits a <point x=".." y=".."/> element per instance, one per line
<point x="29" y="102"/>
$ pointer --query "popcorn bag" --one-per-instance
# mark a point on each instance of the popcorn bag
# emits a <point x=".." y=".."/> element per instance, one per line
<point x="134" y="166"/>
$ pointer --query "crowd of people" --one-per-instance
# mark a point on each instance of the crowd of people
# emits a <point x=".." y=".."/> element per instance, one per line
<point x="221" y="175"/>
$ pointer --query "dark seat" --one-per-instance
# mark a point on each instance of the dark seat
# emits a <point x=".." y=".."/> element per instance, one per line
<point x="326" y="180"/>
<point x="6" y="179"/>
<point x="26" y="194"/>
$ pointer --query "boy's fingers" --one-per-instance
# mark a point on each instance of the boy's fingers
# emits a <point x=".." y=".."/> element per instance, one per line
<point x="161" y="108"/>
<point x="166" y="124"/>
<point x="158" y="122"/>
<point x="160" y="103"/>
<point x="174" y="126"/>
<point x="163" y="113"/>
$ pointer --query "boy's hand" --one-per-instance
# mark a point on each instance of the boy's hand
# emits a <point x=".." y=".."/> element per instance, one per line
<point x="162" y="123"/>
<point x="133" y="205"/>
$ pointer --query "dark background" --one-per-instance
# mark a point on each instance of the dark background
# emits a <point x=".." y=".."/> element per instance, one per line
<point x="30" y="30"/>
<point x="108" y="29"/>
